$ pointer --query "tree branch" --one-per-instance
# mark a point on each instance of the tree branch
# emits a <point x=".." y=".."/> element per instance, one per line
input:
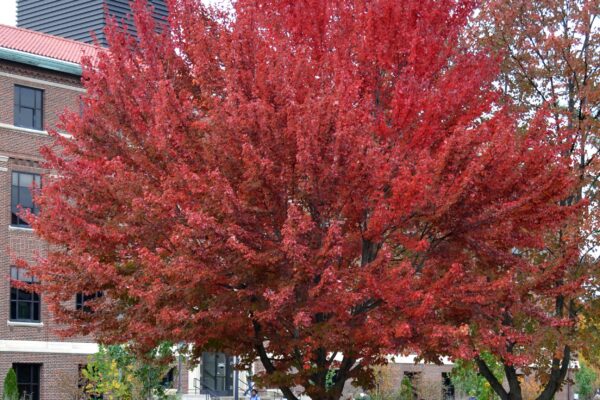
<point x="267" y="362"/>
<point x="557" y="376"/>
<point x="342" y="375"/>
<point x="491" y="378"/>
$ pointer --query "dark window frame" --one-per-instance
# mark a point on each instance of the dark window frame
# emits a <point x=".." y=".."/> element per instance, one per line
<point x="448" y="391"/>
<point x="81" y="298"/>
<point x="37" y="111"/>
<point x="16" y="201"/>
<point x="22" y="301"/>
<point x="28" y="384"/>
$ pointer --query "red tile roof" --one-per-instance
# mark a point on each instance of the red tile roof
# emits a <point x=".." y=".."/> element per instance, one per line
<point x="45" y="45"/>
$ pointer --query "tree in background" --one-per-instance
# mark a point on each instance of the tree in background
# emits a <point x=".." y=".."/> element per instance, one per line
<point x="586" y="379"/>
<point x="469" y="382"/>
<point x="530" y="386"/>
<point x="116" y="373"/>
<point x="386" y="388"/>
<point x="10" y="388"/>
<point x="407" y="390"/>
<point x="550" y="52"/>
<point x="313" y="183"/>
<point x="383" y="386"/>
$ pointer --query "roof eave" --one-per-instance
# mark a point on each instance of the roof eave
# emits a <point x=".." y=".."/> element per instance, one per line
<point x="40" y="61"/>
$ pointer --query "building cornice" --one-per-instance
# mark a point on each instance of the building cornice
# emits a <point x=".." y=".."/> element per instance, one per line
<point x="41" y="81"/>
<point x="40" y="61"/>
<point x="34" y="346"/>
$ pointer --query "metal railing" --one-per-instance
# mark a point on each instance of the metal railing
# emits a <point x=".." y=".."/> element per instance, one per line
<point x="201" y="389"/>
<point x="244" y="387"/>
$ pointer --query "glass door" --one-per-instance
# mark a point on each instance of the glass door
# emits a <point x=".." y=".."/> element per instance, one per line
<point x="217" y="374"/>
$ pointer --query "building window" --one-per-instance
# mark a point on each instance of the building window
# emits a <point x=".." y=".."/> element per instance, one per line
<point x="447" y="387"/>
<point x="28" y="380"/>
<point x="168" y="379"/>
<point x="411" y="382"/>
<point x="29" y="107"/>
<point x="24" y="305"/>
<point x="21" y="195"/>
<point x="82" y="298"/>
<point x="217" y="374"/>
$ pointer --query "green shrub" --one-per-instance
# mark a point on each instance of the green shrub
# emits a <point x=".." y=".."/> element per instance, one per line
<point x="11" y="390"/>
<point x="585" y="378"/>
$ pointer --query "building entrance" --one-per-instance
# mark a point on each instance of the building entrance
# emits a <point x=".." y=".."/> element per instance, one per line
<point x="217" y="374"/>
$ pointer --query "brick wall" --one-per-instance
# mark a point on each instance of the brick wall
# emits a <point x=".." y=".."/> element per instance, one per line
<point x="19" y="151"/>
<point x="428" y="382"/>
<point x="59" y="372"/>
<point x="22" y="149"/>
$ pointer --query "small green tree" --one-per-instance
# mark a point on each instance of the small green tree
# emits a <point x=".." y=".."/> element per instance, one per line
<point x="467" y="380"/>
<point x="11" y="390"/>
<point x="585" y="380"/>
<point x="116" y="373"/>
<point x="406" y="389"/>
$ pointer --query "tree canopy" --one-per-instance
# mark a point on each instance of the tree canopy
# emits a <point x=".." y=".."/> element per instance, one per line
<point x="313" y="183"/>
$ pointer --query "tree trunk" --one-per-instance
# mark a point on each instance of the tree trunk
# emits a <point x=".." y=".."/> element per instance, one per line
<point x="487" y="373"/>
<point x="557" y="376"/>
<point x="267" y="363"/>
<point x="514" y="385"/>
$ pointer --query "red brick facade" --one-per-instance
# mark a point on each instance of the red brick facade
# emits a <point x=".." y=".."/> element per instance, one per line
<point x="19" y="151"/>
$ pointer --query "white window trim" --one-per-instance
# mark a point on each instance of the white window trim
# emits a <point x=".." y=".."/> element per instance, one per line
<point x="19" y="228"/>
<point x="32" y="131"/>
<point x="35" y="346"/>
<point x="21" y="129"/>
<point x="25" y="324"/>
<point x="3" y="160"/>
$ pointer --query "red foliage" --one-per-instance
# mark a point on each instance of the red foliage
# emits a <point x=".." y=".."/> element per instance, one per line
<point x="311" y="178"/>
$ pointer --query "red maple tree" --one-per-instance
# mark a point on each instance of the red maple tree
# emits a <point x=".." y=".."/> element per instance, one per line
<point x="313" y="183"/>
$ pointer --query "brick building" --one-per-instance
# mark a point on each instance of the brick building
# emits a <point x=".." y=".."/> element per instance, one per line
<point x="39" y="78"/>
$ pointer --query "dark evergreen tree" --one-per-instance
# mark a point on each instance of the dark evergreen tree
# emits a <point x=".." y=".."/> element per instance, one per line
<point x="11" y="390"/>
